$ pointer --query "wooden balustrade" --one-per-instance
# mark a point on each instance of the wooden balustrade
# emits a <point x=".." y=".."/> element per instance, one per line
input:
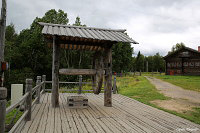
<point x="25" y="99"/>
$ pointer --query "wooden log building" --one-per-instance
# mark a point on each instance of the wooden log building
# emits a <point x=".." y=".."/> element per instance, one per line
<point x="185" y="61"/>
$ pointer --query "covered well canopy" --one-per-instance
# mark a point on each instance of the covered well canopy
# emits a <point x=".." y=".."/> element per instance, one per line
<point x="74" y="37"/>
<point x="84" y="38"/>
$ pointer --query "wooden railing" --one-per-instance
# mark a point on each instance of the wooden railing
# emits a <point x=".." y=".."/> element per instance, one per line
<point x="26" y="102"/>
<point x="80" y="84"/>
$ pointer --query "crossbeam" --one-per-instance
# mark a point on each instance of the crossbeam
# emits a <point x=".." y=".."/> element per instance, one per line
<point x="77" y="71"/>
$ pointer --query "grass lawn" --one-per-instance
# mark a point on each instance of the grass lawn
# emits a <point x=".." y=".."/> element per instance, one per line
<point x="141" y="89"/>
<point x="138" y="88"/>
<point x="186" y="82"/>
<point x="10" y="115"/>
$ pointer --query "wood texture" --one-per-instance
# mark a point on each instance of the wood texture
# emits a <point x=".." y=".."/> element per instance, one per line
<point x="38" y="82"/>
<point x="97" y="79"/>
<point x="3" y="96"/>
<point x="2" y="37"/>
<point x="126" y="115"/>
<point x="114" y="85"/>
<point x="29" y="98"/>
<point x="77" y="71"/>
<point x="55" y="73"/>
<point x="44" y="84"/>
<point x="80" y="84"/>
<point x="108" y="77"/>
<point x="2" y="29"/>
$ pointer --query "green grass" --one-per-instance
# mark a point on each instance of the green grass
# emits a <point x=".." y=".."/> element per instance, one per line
<point x="141" y="89"/>
<point x="186" y="82"/>
<point x="10" y="115"/>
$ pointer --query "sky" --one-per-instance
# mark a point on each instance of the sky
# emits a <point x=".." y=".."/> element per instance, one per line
<point x="156" y="24"/>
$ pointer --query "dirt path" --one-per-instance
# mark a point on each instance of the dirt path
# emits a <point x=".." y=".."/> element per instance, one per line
<point x="182" y="100"/>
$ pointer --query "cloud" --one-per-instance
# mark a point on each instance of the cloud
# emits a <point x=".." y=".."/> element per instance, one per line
<point x="155" y="24"/>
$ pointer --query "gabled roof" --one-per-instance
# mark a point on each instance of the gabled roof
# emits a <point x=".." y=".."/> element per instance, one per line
<point x="117" y="35"/>
<point x="186" y="48"/>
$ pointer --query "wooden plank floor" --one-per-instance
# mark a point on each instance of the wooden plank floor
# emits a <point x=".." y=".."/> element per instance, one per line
<point x="126" y="115"/>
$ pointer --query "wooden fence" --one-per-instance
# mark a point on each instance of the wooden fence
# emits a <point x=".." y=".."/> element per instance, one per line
<point x="28" y="102"/>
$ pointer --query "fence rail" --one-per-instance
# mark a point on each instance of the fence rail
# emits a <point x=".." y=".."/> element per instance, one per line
<point x="28" y="103"/>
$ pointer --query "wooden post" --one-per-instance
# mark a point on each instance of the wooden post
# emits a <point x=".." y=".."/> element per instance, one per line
<point x="2" y="36"/>
<point x="80" y="84"/>
<point x="140" y="73"/>
<point x="114" y="85"/>
<point x="55" y="72"/>
<point x="3" y="96"/>
<point x="29" y="98"/>
<point x="108" y="77"/>
<point x="43" y="80"/>
<point x="38" y="90"/>
<point x="147" y="66"/>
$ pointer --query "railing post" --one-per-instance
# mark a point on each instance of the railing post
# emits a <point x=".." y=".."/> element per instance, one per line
<point x="43" y="80"/>
<point x="114" y="85"/>
<point x="3" y="95"/>
<point x="29" y="98"/>
<point x="80" y="84"/>
<point x="38" y="82"/>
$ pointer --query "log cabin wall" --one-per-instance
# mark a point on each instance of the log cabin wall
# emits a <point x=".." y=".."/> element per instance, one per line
<point x="185" y="61"/>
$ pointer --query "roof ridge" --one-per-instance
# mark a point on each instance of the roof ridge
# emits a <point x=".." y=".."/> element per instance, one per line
<point x="184" y="47"/>
<point x="62" y="25"/>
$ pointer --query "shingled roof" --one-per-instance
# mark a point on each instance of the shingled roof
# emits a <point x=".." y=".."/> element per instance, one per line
<point x="86" y="32"/>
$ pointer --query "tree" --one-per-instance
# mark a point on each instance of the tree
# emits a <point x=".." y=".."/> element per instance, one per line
<point x="78" y="22"/>
<point x="55" y="17"/>
<point x="140" y="62"/>
<point x="158" y="62"/>
<point x="27" y="52"/>
<point x="177" y="47"/>
<point x="122" y="57"/>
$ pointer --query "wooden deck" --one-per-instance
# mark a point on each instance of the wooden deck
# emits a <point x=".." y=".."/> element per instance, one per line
<point x="126" y="115"/>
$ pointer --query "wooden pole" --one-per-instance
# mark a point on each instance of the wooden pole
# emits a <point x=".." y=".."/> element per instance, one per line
<point x="43" y="80"/>
<point x="55" y="72"/>
<point x="3" y="96"/>
<point x="114" y="85"/>
<point x="2" y="36"/>
<point x="29" y="98"/>
<point x="80" y="84"/>
<point x="108" y="77"/>
<point x="38" y="90"/>
<point x="147" y="66"/>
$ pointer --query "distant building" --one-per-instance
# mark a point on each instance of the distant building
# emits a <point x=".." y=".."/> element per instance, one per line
<point x="185" y="61"/>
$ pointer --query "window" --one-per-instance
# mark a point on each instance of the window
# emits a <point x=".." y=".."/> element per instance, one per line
<point x="191" y="64"/>
<point x="185" y="64"/>
<point x="197" y="64"/>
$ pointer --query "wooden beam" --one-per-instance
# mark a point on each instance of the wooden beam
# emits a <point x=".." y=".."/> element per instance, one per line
<point x="95" y="48"/>
<point x="79" y="47"/>
<point x="2" y="36"/>
<point x="66" y="46"/>
<point x="108" y="77"/>
<point x="91" y="48"/>
<point x="77" y="71"/>
<point x="75" y="46"/>
<point x="55" y="73"/>
<point x="70" y="46"/>
<point x="99" y="48"/>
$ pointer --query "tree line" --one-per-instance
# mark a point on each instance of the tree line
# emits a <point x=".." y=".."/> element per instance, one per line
<point x="28" y="54"/>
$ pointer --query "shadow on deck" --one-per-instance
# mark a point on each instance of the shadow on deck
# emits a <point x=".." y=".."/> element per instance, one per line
<point x="126" y="115"/>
